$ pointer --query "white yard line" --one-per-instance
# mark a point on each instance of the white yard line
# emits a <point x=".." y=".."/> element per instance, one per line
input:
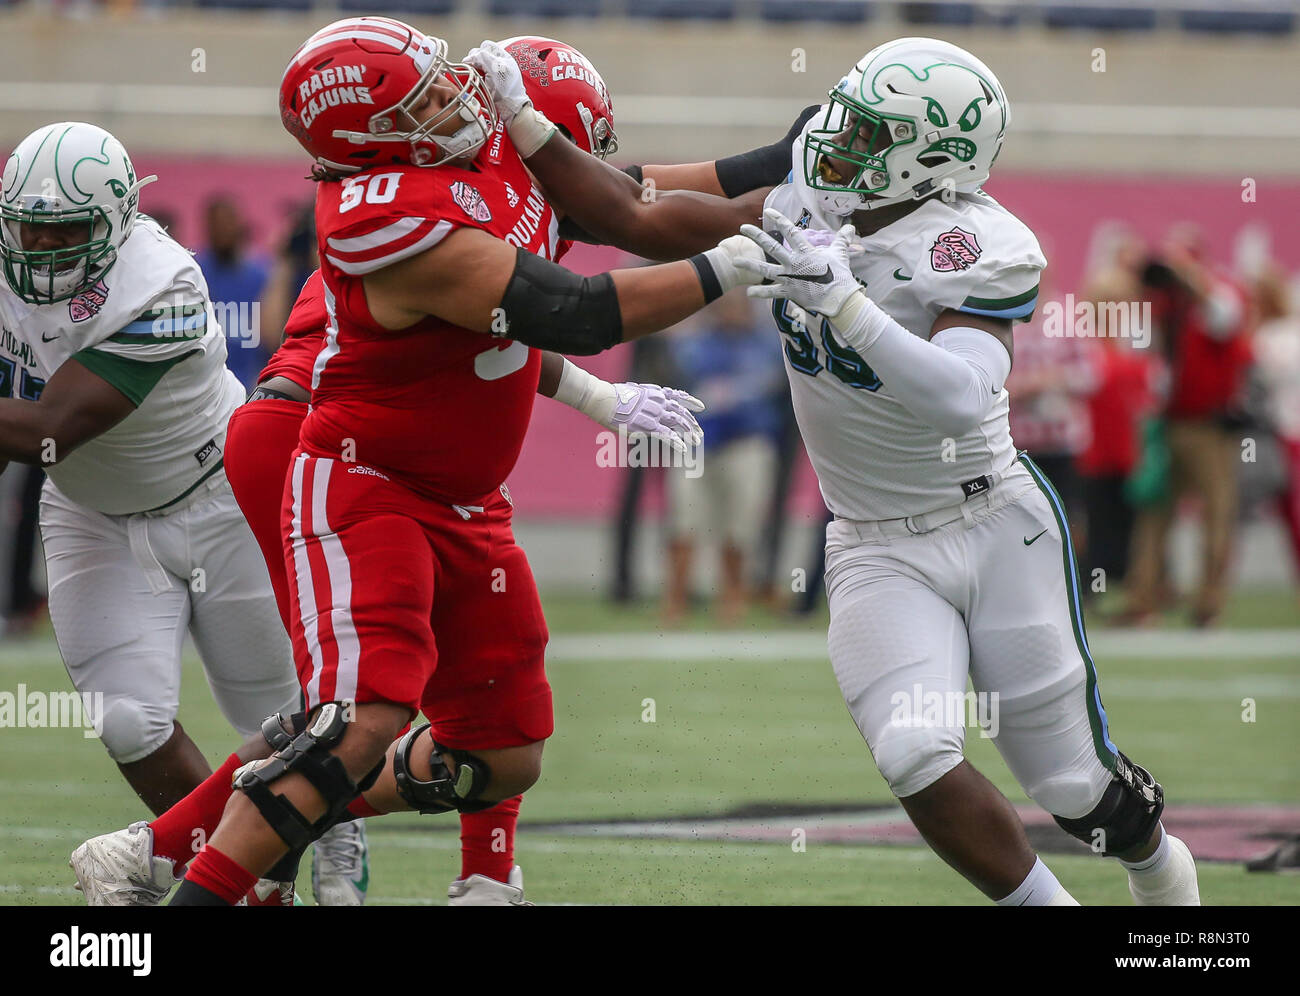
<point x="787" y="644"/>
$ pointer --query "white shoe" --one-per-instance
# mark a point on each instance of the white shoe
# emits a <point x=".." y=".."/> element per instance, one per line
<point x="119" y="869"/>
<point x="1174" y="885"/>
<point x="340" y="865"/>
<point x="479" y="890"/>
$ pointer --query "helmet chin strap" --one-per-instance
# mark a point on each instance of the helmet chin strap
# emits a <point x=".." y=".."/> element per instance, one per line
<point x="469" y="135"/>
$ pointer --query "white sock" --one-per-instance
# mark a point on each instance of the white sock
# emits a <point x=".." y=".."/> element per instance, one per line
<point x="1040" y="888"/>
<point x="1154" y="864"/>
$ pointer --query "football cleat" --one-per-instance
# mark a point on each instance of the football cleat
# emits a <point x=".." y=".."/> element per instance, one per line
<point x="479" y="890"/>
<point x="1174" y="885"/>
<point x="119" y="869"/>
<point x="269" y="892"/>
<point x="340" y="866"/>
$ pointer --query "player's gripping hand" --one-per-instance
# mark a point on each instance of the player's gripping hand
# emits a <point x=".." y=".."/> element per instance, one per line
<point x="528" y="128"/>
<point x="663" y="412"/>
<point x="502" y="77"/>
<point x="815" y="277"/>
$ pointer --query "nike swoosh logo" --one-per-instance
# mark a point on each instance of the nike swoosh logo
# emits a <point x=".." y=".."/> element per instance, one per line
<point x="821" y="278"/>
<point x="49" y="338"/>
<point x="898" y="275"/>
<point x="1029" y="542"/>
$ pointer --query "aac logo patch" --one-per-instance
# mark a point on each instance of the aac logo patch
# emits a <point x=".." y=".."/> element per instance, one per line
<point x="471" y="201"/>
<point x="955" y="250"/>
<point x="88" y="303"/>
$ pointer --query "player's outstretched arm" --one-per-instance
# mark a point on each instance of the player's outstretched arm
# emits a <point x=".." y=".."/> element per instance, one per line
<point x="478" y="282"/>
<point x="75" y="406"/>
<point x="604" y="201"/>
<point x="638" y="409"/>
<point x="732" y="176"/>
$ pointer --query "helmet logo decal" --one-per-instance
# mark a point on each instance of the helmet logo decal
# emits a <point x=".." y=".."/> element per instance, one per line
<point x="970" y="118"/>
<point x="957" y="249"/>
<point x="471" y="201"/>
<point x="935" y="113"/>
<point x="88" y="303"/>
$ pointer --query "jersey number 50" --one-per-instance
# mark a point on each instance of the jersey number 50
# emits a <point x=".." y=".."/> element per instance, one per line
<point x="804" y="355"/>
<point x="378" y="189"/>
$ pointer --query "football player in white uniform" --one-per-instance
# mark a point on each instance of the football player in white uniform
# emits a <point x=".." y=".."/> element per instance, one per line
<point x="949" y="556"/>
<point x="113" y="378"/>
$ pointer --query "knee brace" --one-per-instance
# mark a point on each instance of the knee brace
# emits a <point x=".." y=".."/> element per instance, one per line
<point x="1127" y="814"/>
<point x="445" y="791"/>
<point x="309" y="755"/>
<point x="279" y="729"/>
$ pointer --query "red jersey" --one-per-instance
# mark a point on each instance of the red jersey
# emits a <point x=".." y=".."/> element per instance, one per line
<point x="439" y="408"/>
<point x="304" y="332"/>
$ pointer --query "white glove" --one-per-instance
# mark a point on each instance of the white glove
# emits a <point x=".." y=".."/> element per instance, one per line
<point x="646" y="409"/>
<point x="502" y="78"/>
<point x="529" y="128"/>
<point x="725" y="259"/>
<point x="817" y="278"/>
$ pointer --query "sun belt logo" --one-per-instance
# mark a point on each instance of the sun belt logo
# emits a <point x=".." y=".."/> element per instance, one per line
<point x="955" y="250"/>
<point x="88" y="303"/>
<point x="331" y="87"/>
<point x="471" y="201"/>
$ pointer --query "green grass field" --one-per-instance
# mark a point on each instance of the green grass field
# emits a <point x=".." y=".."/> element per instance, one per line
<point x="729" y="731"/>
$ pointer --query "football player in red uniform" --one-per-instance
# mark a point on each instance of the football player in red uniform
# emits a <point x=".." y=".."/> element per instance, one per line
<point x="566" y="85"/>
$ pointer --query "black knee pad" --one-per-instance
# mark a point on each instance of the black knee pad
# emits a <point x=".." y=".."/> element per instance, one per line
<point x="309" y="755"/>
<point x="445" y="791"/>
<point x="1127" y="814"/>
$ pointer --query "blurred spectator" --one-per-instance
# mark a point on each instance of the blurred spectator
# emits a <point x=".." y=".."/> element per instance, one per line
<point x="1124" y="387"/>
<point x="732" y="363"/>
<point x="236" y="279"/>
<point x="651" y="364"/>
<point x="1050" y="379"/>
<point x="293" y="263"/>
<point x="1277" y="362"/>
<point x="167" y="220"/>
<point x="20" y="495"/>
<point x="1201" y="321"/>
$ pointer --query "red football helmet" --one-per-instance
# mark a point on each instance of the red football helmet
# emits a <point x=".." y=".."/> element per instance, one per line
<point x="348" y="92"/>
<point x="565" y="86"/>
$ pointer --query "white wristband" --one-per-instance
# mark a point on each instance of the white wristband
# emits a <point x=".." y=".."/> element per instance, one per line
<point x="586" y="393"/>
<point x="859" y="321"/>
<point x="529" y="130"/>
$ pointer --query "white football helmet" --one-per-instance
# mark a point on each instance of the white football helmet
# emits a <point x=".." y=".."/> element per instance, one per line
<point x="913" y="116"/>
<point x="70" y="173"/>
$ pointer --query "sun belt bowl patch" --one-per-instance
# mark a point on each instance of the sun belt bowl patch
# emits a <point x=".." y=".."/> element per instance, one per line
<point x="955" y="250"/>
<point x="87" y="304"/>
<point x="471" y="201"/>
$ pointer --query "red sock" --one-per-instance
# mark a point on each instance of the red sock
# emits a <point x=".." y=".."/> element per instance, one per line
<point x="174" y="834"/>
<point x="359" y="808"/>
<point x="487" y="840"/>
<point x="220" y="875"/>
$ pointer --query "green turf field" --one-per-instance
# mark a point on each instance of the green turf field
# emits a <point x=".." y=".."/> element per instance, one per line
<point x="729" y="731"/>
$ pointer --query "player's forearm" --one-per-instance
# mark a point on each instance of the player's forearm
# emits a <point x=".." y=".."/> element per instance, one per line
<point x="617" y="211"/>
<point x="28" y="434"/>
<point x="552" y="369"/>
<point x="700" y="177"/>
<point x="949" y="383"/>
<point x="653" y="297"/>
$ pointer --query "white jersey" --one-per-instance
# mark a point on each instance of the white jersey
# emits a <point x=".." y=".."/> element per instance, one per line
<point x="874" y="458"/>
<point x="148" y="329"/>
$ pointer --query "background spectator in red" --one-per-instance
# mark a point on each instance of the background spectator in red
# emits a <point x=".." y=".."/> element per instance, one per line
<point x="1202" y="327"/>
<point x="1277" y="361"/>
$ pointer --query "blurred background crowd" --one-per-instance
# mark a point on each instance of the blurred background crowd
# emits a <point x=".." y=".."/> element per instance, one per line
<point x="1158" y="383"/>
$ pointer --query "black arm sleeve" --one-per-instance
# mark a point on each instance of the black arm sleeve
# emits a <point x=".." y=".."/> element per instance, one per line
<point x="549" y="307"/>
<point x="764" y="167"/>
